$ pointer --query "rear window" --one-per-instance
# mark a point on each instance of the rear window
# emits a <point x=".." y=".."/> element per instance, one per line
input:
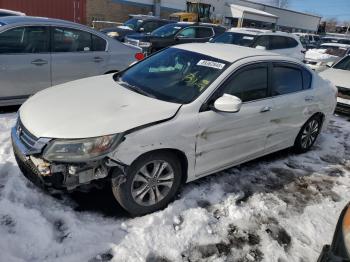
<point x="343" y="64"/>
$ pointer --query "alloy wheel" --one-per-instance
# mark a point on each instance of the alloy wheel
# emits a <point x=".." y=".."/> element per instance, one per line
<point x="309" y="134"/>
<point x="152" y="182"/>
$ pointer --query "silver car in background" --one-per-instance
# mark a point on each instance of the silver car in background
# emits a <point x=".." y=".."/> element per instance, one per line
<point x="36" y="53"/>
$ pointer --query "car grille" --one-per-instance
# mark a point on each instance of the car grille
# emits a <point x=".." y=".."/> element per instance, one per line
<point x="308" y="62"/>
<point x="343" y="92"/>
<point x="132" y="42"/>
<point x="25" y="136"/>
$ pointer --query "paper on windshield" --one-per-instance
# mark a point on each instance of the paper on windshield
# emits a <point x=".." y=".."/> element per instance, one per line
<point x="211" y="64"/>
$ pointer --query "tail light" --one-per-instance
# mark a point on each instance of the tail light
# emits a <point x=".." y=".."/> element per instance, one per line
<point x="139" y="56"/>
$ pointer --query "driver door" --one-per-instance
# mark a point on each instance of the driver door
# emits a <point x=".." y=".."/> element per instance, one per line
<point x="226" y="139"/>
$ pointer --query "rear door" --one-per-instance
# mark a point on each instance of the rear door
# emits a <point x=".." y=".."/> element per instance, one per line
<point x="24" y="61"/>
<point x="75" y="54"/>
<point x="294" y="103"/>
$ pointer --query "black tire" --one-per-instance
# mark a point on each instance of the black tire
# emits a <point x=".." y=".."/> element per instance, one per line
<point x="301" y="145"/>
<point x="124" y="191"/>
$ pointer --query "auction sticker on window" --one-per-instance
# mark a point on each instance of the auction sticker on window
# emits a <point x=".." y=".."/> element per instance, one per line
<point x="211" y="64"/>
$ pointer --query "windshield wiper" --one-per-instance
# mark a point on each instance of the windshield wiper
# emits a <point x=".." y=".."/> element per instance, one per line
<point x="136" y="89"/>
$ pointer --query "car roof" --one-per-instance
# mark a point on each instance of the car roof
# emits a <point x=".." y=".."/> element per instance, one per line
<point x="33" y="19"/>
<point x="226" y="52"/>
<point x="11" y="12"/>
<point x="254" y="31"/>
<point x="251" y="31"/>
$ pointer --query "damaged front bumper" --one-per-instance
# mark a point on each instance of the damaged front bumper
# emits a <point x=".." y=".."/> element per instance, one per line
<point x="53" y="176"/>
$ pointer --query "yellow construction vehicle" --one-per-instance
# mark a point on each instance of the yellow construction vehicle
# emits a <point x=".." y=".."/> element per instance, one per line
<point x="196" y="12"/>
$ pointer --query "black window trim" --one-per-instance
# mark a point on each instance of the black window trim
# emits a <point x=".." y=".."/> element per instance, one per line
<point x="30" y="25"/>
<point x="52" y="28"/>
<point x="207" y="102"/>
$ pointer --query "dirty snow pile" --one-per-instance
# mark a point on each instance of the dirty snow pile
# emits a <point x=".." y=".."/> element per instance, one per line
<point x="319" y="54"/>
<point x="283" y="207"/>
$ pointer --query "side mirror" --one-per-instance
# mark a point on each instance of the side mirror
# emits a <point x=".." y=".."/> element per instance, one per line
<point x="260" y="47"/>
<point x="228" y="103"/>
<point x="339" y="250"/>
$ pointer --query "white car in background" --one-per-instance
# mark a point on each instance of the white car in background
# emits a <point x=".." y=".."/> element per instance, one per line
<point x="339" y="75"/>
<point x="277" y="42"/>
<point x="183" y="113"/>
<point x="325" y="56"/>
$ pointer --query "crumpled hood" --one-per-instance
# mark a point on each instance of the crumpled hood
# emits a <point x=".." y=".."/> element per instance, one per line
<point x="319" y="55"/>
<point x="337" y="77"/>
<point x="90" y="107"/>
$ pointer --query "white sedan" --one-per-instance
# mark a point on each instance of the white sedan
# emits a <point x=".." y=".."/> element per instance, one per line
<point x="181" y="114"/>
<point x="339" y="75"/>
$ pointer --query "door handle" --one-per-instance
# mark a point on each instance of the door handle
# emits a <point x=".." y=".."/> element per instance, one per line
<point x="309" y="98"/>
<point x="39" y="62"/>
<point x="98" y="59"/>
<point x="266" y="109"/>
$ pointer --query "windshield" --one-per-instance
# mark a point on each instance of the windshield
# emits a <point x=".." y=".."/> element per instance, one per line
<point x="133" y="23"/>
<point x="234" y="38"/>
<point x="166" y="30"/>
<point x="173" y="75"/>
<point x="343" y="64"/>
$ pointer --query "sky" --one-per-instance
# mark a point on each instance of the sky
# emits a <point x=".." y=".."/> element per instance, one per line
<point x="339" y="9"/>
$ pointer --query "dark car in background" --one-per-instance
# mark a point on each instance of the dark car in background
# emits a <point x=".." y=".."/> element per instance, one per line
<point x="136" y="24"/>
<point x="173" y="34"/>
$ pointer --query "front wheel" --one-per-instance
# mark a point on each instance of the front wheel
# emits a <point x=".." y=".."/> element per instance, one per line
<point x="151" y="183"/>
<point x="308" y="134"/>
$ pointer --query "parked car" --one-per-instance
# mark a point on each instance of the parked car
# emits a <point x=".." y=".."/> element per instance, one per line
<point x="173" y="34"/>
<point x="339" y="75"/>
<point x="309" y="41"/>
<point x="278" y="42"/>
<point x="36" y="53"/>
<point x="6" y="12"/>
<point x="325" y="55"/>
<point x="334" y="39"/>
<point x="339" y="250"/>
<point x="136" y="24"/>
<point x="180" y="114"/>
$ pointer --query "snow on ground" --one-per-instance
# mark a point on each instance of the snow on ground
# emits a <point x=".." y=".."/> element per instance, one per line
<point x="283" y="207"/>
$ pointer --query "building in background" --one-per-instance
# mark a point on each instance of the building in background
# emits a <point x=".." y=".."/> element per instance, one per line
<point x="229" y="12"/>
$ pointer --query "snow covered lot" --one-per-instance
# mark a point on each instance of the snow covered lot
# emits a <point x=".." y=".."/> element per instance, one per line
<point x="283" y="207"/>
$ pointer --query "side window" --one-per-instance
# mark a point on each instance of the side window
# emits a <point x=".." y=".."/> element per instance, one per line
<point x="246" y="87"/>
<point x="263" y="41"/>
<point x="98" y="43"/>
<point x="31" y="39"/>
<point x="278" y="42"/>
<point x="188" y="32"/>
<point x="150" y="26"/>
<point x="286" y="80"/>
<point x="71" y="40"/>
<point x="204" y="32"/>
<point x="291" y="42"/>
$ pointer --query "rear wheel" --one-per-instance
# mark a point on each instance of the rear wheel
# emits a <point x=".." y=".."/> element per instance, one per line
<point x="151" y="183"/>
<point x="308" y="134"/>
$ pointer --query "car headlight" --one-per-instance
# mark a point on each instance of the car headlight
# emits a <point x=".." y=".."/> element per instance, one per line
<point x="144" y="44"/>
<point x="80" y="149"/>
<point x="113" y="34"/>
